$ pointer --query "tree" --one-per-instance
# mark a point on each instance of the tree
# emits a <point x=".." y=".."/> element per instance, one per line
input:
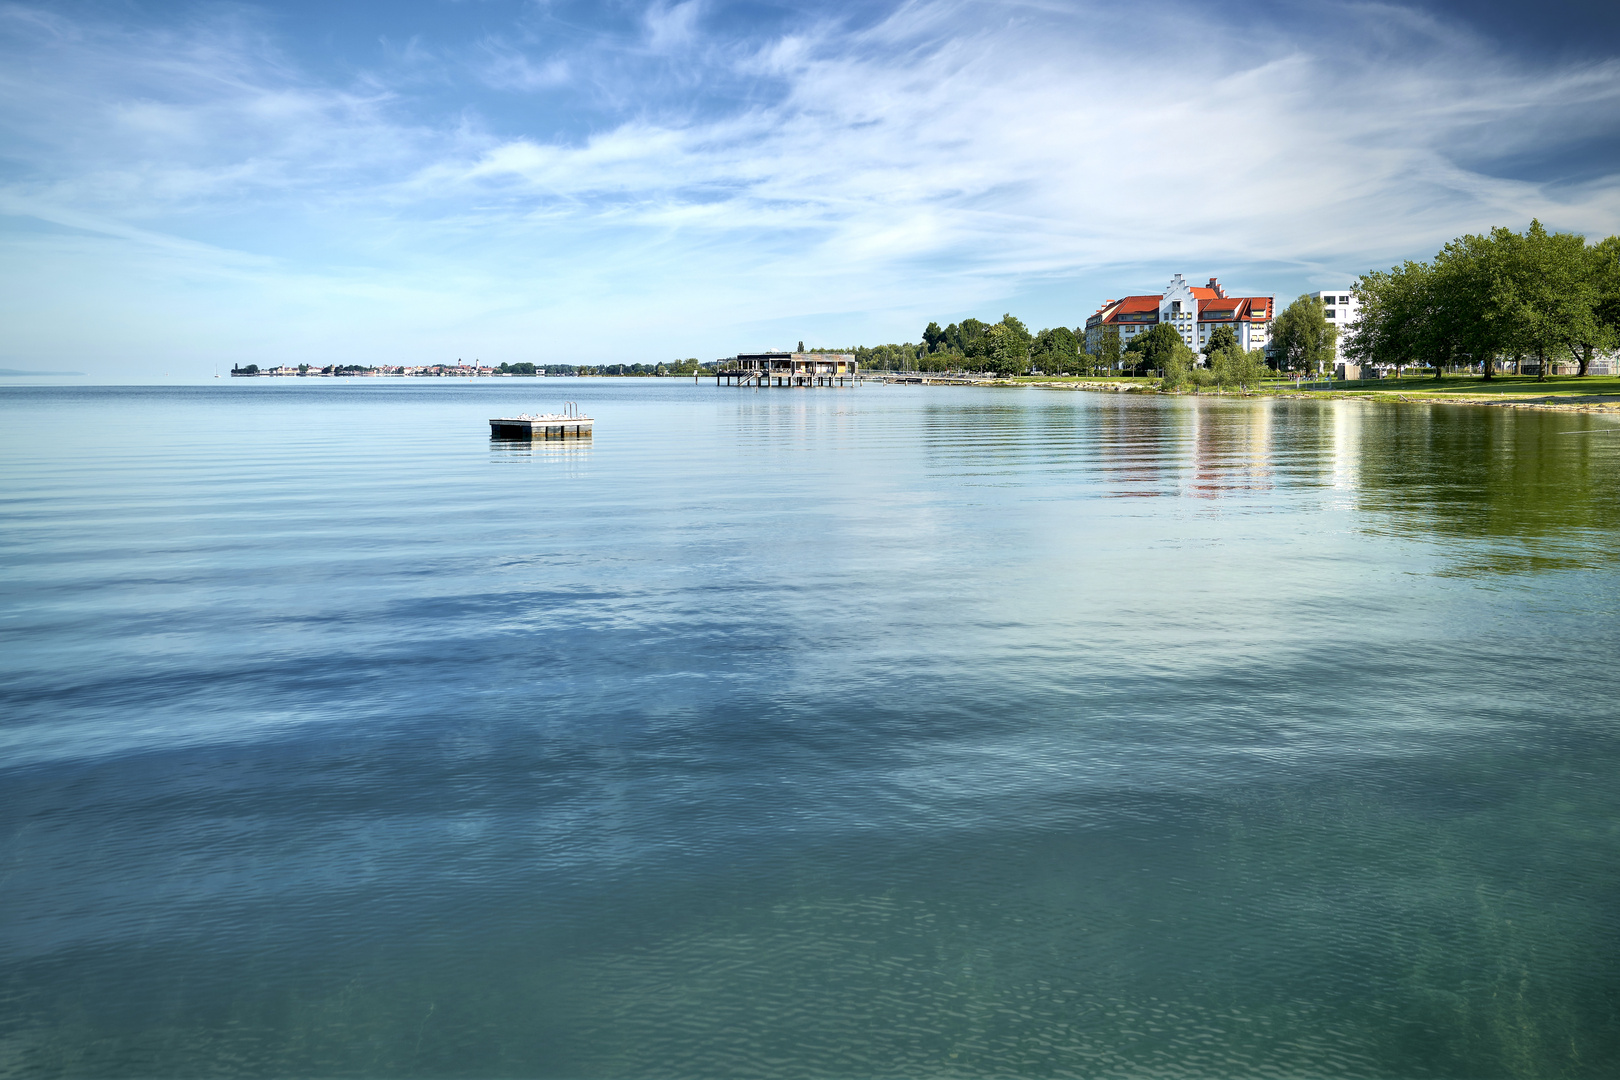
<point x="1006" y="350"/>
<point x="1154" y="348"/>
<point x="1221" y="338"/>
<point x="1056" y="351"/>
<point x="1108" y="351"/>
<point x="933" y="337"/>
<point x="1301" y="336"/>
<point x="971" y="335"/>
<point x="1388" y="331"/>
<point x="1458" y="319"/>
<point x="1017" y="328"/>
<point x="1177" y="373"/>
<point x="1598" y="329"/>
<point x="1546" y="292"/>
<point x="801" y="346"/>
<point x="1233" y="368"/>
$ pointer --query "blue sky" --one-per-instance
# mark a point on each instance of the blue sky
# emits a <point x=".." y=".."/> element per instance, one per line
<point x="190" y="185"/>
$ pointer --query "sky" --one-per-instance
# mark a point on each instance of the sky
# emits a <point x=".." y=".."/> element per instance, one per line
<point x="187" y="186"/>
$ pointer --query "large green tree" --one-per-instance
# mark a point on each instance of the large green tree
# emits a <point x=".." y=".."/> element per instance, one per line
<point x="1108" y="352"/>
<point x="1055" y="351"/>
<point x="1388" y="332"/>
<point x="1221" y="338"/>
<point x="1606" y="268"/>
<point x="1233" y="368"/>
<point x="1301" y="336"/>
<point x="1152" y="350"/>
<point x="970" y="334"/>
<point x="1460" y="320"/>
<point x="1429" y="313"/>
<point x="1007" y="347"/>
<point x="1545" y="292"/>
<point x="1602" y="331"/>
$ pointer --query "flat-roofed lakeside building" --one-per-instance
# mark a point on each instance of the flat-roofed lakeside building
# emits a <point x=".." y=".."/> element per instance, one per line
<point x="1342" y="311"/>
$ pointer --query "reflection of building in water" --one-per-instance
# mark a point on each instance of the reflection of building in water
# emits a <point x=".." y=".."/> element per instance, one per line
<point x="1231" y="447"/>
<point x="1346" y="417"/>
<point x="1194" y="310"/>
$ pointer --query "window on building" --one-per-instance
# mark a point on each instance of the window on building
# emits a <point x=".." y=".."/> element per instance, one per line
<point x="1328" y="313"/>
<point x="1344" y="299"/>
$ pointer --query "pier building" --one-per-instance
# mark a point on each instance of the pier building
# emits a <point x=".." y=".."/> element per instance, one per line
<point x="787" y="369"/>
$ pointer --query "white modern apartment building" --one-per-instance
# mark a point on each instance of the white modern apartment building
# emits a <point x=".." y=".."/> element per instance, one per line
<point x="1194" y="310"/>
<point x="1342" y="311"/>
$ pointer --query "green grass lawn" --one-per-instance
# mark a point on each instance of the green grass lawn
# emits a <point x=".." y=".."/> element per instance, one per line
<point x="1525" y="386"/>
<point x="1135" y="379"/>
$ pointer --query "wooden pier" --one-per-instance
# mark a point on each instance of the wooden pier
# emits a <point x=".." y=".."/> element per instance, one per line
<point x="788" y="370"/>
<point x="568" y="422"/>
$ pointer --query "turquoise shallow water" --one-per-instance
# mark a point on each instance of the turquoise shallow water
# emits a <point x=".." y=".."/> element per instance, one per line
<point x="876" y="732"/>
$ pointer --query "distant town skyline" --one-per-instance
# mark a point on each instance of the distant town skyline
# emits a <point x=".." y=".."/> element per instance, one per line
<point x="187" y="186"/>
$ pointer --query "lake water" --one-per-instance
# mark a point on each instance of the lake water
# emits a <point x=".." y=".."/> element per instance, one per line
<point x="842" y="733"/>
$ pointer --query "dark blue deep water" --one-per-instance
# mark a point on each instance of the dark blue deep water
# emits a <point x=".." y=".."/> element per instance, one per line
<point x="886" y="732"/>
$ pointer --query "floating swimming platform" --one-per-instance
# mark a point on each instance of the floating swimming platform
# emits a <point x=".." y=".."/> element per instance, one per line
<point x="568" y="422"/>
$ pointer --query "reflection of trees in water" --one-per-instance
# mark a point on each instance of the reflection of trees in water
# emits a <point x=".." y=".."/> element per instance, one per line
<point x="976" y="436"/>
<point x="1018" y="438"/>
<point x="1538" y="489"/>
<point x="1137" y="443"/>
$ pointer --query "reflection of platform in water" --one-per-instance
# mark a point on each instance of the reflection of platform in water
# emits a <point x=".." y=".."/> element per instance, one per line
<point x="568" y="451"/>
<point x="564" y="424"/>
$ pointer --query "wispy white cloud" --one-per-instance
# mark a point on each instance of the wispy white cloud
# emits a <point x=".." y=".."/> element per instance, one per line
<point x="672" y="26"/>
<point x="509" y="68"/>
<point x="946" y="154"/>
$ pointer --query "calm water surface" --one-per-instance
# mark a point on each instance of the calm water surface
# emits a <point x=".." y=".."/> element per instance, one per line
<point x="880" y="732"/>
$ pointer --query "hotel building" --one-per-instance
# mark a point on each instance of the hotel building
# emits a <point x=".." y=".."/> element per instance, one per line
<point x="1194" y="310"/>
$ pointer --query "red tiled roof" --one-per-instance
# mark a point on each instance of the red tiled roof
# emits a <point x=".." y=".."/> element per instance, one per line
<point x="1224" y="307"/>
<point x="1130" y="305"/>
<point x="1233" y="307"/>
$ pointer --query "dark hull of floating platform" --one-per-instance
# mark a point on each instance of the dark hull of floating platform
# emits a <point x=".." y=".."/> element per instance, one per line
<point x="529" y="427"/>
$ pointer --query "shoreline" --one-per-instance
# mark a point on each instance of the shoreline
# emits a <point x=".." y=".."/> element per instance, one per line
<point x="1597" y="403"/>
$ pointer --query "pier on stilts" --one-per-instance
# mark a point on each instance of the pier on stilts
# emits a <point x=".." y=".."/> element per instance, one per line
<point x="783" y="369"/>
